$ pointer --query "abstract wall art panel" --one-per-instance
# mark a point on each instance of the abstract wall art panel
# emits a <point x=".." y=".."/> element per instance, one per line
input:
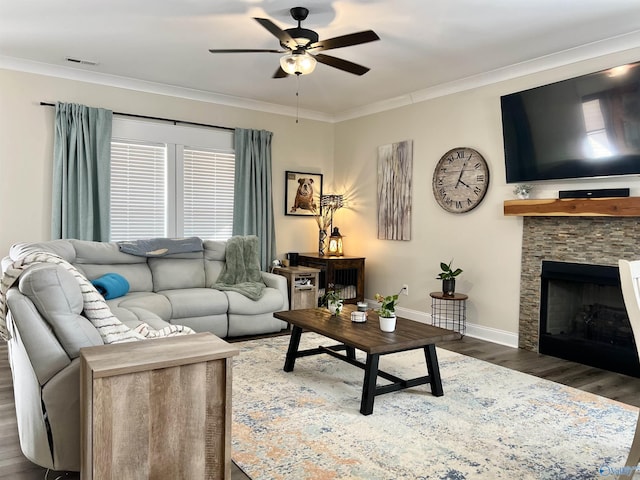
<point x="395" y="171"/>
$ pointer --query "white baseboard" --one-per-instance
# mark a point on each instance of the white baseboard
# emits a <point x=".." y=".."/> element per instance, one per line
<point x="474" y="330"/>
<point x="494" y="335"/>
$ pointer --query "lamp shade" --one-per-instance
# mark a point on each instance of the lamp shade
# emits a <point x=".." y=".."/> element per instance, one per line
<point x="332" y="201"/>
<point x="335" y="243"/>
<point x="298" y="63"/>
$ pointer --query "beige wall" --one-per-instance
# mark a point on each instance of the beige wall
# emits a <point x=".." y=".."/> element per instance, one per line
<point x="26" y="145"/>
<point x="484" y="243"/>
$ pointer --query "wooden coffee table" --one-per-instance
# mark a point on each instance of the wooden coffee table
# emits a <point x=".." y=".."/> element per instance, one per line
<point x="368" y="337"/>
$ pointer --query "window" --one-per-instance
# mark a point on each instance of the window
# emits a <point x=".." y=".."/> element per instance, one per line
<point x="138" y="190"/>
<point x="162" y="185"/>
<point x="208" y="193"/>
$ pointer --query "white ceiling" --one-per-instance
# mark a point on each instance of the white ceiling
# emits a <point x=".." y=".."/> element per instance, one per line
<point x="425" y="44"/>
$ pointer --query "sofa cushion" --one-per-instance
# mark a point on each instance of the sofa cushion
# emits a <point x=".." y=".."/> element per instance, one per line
<point x="214" y="257"/>
<point x="215" y="250"/>
<point x="184" y="270"/>
<point x="57" y="296"/>
<point x="62" y="248"/>
<point x="138" y="275"/>
<point x="271" y="301"/>
<point x="241" y="325"/>
<point x="216" y="324"/>
<point x="137" y="303"/>
<point x="34" y="337"/>
<point x="195" y="302"/>
<point x="132" y="317"/>
<point x="95" y="259"/>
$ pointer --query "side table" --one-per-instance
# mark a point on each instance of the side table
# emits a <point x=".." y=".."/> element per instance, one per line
<point x="449" y="311"/>
<point x="157" y="408"/>
<point x="303" y="286"/>
<point x="343" y="273"/>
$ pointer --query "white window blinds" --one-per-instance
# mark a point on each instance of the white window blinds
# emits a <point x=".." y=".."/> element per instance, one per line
<point x="160" y="187"/>
<point x="138" y="190"/>
<point x="208" y="179"/>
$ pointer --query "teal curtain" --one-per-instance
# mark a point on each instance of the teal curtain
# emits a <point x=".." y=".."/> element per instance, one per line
<point x="81" y="172"/>
<point x="253" y="202"/>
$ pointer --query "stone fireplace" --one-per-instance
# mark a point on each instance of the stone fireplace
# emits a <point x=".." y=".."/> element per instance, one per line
<point x="588" y="240"/>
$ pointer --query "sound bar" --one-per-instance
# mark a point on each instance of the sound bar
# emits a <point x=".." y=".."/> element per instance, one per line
<point x="596" y="193"/>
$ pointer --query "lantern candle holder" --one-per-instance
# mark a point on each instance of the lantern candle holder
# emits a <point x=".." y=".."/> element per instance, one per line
<point x="335" y="243"/>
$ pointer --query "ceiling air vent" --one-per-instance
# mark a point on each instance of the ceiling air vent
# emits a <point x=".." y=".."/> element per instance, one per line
<point x="80" y="61"/>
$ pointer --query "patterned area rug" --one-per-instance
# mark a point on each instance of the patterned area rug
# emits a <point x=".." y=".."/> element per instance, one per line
<point x="491" y="423"/>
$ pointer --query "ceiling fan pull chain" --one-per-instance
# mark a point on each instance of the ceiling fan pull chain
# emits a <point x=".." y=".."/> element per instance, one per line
<point x="297" y="96"/>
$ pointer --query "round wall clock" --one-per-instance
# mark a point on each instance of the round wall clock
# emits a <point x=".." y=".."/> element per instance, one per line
<point x="460" y="180"/>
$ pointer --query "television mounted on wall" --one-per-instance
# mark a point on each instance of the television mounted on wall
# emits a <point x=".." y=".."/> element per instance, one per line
<point x="588" y="126"/>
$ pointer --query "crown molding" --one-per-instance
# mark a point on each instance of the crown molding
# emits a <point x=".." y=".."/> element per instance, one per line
<point x="70" y="73"/>
<point x="623" y="43"/>
<point x="628" y="42"/>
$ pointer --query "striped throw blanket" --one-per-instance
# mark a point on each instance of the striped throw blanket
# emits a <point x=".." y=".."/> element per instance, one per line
<point x="95" y="310"/>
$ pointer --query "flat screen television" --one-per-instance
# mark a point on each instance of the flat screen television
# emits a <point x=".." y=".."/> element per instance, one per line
<point x="587" y="126"/>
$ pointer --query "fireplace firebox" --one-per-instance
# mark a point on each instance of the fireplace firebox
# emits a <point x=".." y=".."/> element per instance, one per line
<point x="583" y="317"/>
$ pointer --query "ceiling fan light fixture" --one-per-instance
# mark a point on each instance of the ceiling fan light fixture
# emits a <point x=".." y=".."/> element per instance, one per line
<point x="298" y="63"/>
<point x="297" y="42"/>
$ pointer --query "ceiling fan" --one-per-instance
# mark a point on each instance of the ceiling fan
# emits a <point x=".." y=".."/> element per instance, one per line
<point x="301" y="46"/>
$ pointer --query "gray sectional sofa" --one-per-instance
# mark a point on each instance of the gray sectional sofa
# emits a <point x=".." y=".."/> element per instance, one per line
<point x="48" y="329"/>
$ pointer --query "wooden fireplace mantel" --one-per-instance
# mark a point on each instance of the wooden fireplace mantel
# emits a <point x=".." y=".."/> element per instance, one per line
<point x="574" y="207"/>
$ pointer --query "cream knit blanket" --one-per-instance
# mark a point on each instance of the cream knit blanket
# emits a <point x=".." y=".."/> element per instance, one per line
<point x="95" y="310"/>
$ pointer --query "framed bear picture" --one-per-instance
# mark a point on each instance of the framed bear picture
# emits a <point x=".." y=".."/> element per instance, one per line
<point x="302" y="192"/>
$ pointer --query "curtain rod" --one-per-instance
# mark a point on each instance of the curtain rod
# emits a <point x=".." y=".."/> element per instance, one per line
<point x="175" y="122"/>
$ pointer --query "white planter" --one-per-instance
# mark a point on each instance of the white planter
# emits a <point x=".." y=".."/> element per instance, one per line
<point x="334" y="307"/>
<point x="388" y="324"/>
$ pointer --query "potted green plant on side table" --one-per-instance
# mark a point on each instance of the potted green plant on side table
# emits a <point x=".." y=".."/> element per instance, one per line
<point x="448" y="276"/>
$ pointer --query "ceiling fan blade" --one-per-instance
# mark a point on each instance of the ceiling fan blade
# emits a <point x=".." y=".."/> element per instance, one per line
<point x="345" y="40"/>
<point x="280" y="73"/>
<point x="284" y="37"/>
<point x="245" y="50"/>
<point x="341" y="64"/>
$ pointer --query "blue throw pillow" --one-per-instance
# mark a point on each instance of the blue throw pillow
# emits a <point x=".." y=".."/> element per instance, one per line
<point x="111" y="285"/>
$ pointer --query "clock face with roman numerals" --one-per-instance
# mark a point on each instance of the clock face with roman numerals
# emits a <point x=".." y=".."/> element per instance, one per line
<point x="460" y="180"/>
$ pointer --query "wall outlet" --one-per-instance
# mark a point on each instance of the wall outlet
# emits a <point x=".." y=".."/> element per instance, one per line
<point x="405" y="289"/>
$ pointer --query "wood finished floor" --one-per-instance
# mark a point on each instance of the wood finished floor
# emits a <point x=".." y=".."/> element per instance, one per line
<point x="13" y="465"/>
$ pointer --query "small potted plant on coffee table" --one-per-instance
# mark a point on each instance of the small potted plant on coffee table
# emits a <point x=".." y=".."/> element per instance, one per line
<point x="387" y="311"/>
<point x="333" y="301"/>
<point x="448" y="276"/>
